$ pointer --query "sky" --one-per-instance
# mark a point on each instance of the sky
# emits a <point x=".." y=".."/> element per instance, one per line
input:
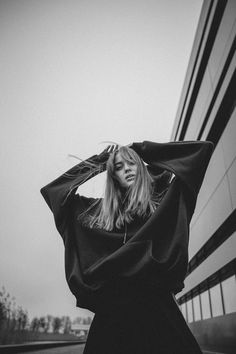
<point x="75" y="74"/>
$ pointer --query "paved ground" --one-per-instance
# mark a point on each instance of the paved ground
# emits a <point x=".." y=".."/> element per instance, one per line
<point x="209" y="352"/>
<point x="76" y="349"/>
<point x="69" y="349"/>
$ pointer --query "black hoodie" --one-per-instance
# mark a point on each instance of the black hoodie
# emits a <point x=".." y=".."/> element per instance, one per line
<point x="101" y="270"/>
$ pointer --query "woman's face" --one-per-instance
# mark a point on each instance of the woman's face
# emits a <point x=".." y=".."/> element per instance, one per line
<point x="125" y="171"/>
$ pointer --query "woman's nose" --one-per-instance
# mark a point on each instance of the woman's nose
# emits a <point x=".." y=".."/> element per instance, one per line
<point x="127" y="167"/>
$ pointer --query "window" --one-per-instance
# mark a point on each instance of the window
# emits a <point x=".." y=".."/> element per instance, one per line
<point x="190" y="311"/>
<point x="229" y="294"/>
<point x="216" y="301"/>
<point x="214" y="296"/>
<point x="196" y="308"/>
<point x="206" y="312"/>
<point x="183" y="309"/>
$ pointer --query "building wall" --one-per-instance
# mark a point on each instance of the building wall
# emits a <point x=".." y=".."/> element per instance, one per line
<point x="207" y="112"/>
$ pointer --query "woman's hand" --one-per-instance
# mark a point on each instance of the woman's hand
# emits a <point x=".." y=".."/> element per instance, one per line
<point x="104" y="155"/>
<point x="111" y="148"/>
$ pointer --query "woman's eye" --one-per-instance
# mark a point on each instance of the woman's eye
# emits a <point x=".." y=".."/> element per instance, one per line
<point x="119" y="167"/>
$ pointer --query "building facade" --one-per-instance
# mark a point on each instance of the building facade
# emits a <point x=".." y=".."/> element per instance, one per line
<point x="207" y="111"/>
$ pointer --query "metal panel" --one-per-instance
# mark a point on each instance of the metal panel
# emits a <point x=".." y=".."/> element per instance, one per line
<point x="218" y="208"/>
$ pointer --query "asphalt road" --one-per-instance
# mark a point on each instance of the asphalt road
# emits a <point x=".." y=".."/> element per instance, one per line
<point x="76" y="349"/>
<point x="69" y="349"/>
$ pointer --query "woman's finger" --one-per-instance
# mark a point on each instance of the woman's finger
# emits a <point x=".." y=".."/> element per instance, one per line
<point x="107" y="149"/>
<point x="115" y="148"/>
<point x="111" y="148"/>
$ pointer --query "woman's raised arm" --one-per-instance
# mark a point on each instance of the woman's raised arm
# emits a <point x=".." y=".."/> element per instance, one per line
<point x="188" y="160"/>
<point x="59" y="193"/>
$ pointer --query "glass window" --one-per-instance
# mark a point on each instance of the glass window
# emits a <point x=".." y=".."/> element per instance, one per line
<point x="190" y="311"/>
<point x="216" y="301"/>
<point x="229" y="294"/>
<point x="196" y="308"/>
<point x="183" y="309"/>
<point x="206" y="312"/>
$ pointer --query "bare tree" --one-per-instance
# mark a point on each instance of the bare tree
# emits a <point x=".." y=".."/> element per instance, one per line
<point x="48" y="323"/>
<point x="35" y="324"/>
<point x="56" y="324"/>
<point x="66" y="323"/>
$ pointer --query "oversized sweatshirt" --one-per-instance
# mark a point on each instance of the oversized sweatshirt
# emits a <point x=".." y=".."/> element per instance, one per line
<point x="101" y="270"/>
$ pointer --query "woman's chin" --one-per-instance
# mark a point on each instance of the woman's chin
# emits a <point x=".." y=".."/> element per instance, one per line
<point x="129" y="183"/>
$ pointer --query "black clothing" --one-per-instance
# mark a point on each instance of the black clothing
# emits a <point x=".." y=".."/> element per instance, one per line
<point x="103" y="273"/>
<point x="149" y="325"/>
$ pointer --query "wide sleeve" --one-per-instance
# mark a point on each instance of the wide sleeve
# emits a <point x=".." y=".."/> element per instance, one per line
<point x="188" y="160"/>
<point x="61" y="192"/>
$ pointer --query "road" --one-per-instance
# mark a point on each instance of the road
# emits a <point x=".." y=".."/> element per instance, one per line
<point x="75" y="349"/>
<point x="69" y="349"/>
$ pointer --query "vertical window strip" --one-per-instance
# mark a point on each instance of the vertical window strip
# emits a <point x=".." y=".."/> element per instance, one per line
<point x="200" y="300"/>
<point x="209" y="296"/>
<point x="222" y="296"/>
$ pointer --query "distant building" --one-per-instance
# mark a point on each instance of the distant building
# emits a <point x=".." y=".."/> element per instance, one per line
<point x="80" y="330"/>
<point x="207" y="111"/>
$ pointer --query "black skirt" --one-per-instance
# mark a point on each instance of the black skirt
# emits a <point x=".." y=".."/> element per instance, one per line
<point x="151" y="325"/>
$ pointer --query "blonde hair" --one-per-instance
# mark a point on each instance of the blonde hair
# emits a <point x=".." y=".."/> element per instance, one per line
<point x="119" y="206"/>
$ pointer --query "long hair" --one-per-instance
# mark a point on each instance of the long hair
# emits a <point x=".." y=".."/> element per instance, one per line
<point x="118" y="205"/>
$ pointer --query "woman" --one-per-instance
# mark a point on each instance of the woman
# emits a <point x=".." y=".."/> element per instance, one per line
<point x="126" y="255"/>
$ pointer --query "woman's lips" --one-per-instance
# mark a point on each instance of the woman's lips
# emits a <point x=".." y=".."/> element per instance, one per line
<point x="130" y="177"/>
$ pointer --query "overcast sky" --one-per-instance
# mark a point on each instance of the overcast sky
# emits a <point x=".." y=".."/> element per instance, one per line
<point x="75" y="73"/>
